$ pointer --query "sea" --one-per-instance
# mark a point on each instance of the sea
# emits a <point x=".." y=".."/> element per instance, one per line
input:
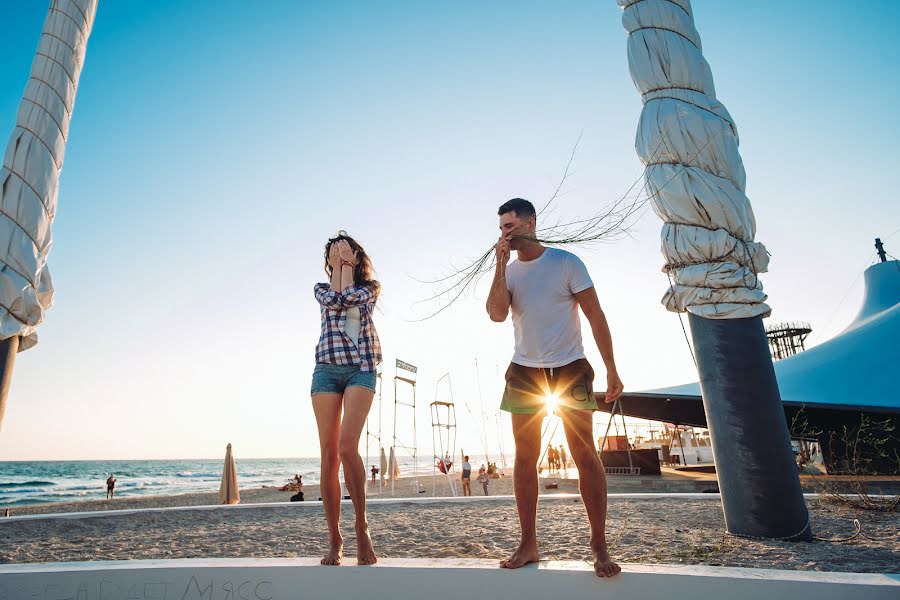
<point x="38" y="482"/>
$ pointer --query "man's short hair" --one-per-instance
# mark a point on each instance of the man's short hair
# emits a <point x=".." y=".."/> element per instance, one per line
<point x="521" y="207"/>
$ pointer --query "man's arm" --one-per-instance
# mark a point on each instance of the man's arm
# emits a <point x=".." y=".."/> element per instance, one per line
<point x="498" y="298"/>
<point x="590" y="306"/>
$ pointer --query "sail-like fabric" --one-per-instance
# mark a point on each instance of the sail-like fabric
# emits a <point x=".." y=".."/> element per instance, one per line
<point x="32" y="163"/>
<point x="695" y="177"/>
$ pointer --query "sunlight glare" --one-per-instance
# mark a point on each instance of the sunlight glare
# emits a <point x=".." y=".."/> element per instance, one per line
<point x="552" y="401"/>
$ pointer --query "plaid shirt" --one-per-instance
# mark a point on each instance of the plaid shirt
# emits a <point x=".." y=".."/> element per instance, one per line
<point x="335" y="348"/>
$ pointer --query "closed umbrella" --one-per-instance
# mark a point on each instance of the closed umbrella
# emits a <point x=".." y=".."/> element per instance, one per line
<point x="29" y="178"/>
<point x="393" y="467"/>
<point x="228" y="490"/>
<point x="696" y="181"/>
<point x="383" y="465"/>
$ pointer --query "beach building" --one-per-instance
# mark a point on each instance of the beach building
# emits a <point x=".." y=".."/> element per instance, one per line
<point x="844" y="386"/>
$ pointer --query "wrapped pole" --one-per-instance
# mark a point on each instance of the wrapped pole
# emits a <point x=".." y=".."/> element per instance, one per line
<point x="29" y="178"/>
<point x="695" y="179"/>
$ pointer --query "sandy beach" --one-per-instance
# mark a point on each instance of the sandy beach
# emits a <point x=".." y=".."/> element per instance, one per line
<point x="654" y="530"/>
<point x="670" y="481"/>
<point x="405" y="487"/>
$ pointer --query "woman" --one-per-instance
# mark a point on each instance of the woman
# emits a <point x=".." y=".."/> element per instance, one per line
<point x="344" y="382"/>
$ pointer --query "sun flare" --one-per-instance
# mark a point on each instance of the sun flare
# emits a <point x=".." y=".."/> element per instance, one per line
<point x="552" y="401"/>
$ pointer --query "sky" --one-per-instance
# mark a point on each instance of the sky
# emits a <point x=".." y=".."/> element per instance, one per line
<point x="214" y="149"/>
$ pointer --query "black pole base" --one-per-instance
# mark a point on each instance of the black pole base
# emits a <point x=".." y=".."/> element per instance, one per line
<point x="758" y="476"/>
<point x="8" y="349"/>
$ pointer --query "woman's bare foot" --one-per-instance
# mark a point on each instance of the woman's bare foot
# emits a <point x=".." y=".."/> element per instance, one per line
<point x="335" y="553"/>
<point x="604" y="566"/>
<point x="525" y="554"/>
<point x="365" y="552"/>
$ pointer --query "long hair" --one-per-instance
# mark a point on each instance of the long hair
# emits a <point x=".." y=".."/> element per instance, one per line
<point x="363" y="273"/>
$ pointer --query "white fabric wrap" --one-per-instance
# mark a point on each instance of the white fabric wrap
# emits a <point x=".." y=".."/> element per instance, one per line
<point x="31" y="166"/>
<point x="695" y="177"/>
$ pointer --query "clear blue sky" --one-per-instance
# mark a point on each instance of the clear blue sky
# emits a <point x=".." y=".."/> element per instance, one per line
<point x="214" y="147"/>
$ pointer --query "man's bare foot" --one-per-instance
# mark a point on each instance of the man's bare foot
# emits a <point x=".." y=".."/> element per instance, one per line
<point x="335" y="553"/>
<point x="524" y="554"/>
<point x="604" y="566"/>
<point x="365" y="552"/>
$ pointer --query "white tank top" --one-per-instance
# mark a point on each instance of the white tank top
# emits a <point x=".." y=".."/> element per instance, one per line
<point x="352" y="324"/>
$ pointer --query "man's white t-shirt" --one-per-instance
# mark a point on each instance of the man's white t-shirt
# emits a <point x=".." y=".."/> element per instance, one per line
<point x="544" y="310"/>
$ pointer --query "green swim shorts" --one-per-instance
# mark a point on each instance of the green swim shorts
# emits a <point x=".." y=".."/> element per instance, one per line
<point x="527" y="388"/>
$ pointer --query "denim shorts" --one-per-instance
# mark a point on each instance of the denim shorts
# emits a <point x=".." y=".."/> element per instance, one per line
<point x="334" y="379"/>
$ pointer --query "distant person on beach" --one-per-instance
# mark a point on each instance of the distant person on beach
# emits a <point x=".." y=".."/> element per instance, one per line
<point x="298" y="486"/>
<point x="343" y="385"/>
<point x="484" y="478"/>
<point x="544" y="289"/>
<point x="466" y="477"/>
<point x="563" y="459"/>
<point x="110" y="486"/>
<point x="374" y="473"/>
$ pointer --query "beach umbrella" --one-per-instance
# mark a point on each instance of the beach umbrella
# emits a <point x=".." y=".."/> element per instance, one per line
<point x="29" y="178"/>
<point x="228" y="490"/>
<point x="393" y="467"/>
<point x="383" y="465"/>
<point x="695" y="180"/>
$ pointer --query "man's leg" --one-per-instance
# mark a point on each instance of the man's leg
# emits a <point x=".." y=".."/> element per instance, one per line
<point x="578" y="425"/>
<point x="527" y="435"/>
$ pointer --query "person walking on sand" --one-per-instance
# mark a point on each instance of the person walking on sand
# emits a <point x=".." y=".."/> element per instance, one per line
<point x="466" y="477"/>
<point x="484" y="478"/>
<point x="343" y="385"/>
<point x="544" y="289"/>
<point x="110" y="486"/>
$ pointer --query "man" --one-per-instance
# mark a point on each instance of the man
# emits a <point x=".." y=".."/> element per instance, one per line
<point x="544" y="289"/>
<point x="110" y="486"/>
<point x="563" y="459"/>
<point x="466" y="477"/>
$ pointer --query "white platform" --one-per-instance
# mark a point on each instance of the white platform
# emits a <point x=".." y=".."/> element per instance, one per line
<point x="316" y="504"/>
<point x="406" y="579"/>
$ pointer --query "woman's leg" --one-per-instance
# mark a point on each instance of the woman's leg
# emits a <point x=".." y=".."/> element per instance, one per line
<point x="328" y="418"/>
<point x="357" y="402"/>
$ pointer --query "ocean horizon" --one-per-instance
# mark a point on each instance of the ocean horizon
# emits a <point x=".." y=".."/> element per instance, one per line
<point x="41" y="482"/>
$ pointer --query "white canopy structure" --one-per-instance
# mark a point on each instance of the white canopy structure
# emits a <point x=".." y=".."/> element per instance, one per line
<point x="853" y="371"/>
<point x="29" y="176"/>
<point x="695" y="176"/>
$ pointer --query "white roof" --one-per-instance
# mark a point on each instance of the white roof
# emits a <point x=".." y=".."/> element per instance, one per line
<point x="855" y="369"/>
